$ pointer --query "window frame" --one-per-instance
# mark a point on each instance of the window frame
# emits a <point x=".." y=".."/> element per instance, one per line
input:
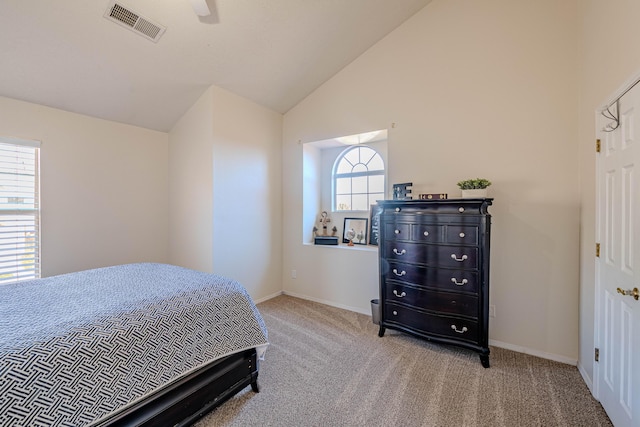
<point x="368" y="173"/>
<point x="32" y="247"/>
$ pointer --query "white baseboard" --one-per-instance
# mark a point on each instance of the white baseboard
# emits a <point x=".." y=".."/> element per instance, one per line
<point x="588" y="381"/>
<point x="330" y="303"/>
<point x="268" y="297"/>
<point x="533" y="352"/>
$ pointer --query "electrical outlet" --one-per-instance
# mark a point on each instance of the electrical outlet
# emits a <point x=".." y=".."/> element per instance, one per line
<point x="492" y="311"/>
<point x="294" y="274"/>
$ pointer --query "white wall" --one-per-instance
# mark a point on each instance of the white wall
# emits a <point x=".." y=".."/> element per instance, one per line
<point x="191" y="187"/>
<point x="247" y="193"/>
<point x="610" y="34"/>
<point x="485" y="88"/>
<point x="312" y="198"/>
<point x="225" y="191"/>
<point x="103" y="187"/>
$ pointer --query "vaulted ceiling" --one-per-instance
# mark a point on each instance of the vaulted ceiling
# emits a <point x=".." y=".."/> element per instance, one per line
<point x="65" y="54"/>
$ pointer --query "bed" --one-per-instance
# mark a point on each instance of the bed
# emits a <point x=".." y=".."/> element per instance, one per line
<point x="137" y="344"/>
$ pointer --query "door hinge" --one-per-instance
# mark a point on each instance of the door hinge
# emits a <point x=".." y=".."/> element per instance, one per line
<point x="597" y="355"/>
<point x="597" y="145"/>
<point x="598" y="250"/>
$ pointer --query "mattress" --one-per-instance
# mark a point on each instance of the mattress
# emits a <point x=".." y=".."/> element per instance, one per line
<point x="77" y="347"/>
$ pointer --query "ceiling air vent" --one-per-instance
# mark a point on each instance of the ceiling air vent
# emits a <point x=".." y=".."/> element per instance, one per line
<point x="127" y="18"/>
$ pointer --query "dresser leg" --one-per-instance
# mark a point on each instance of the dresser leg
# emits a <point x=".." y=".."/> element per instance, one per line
<point x="484" y="359"/>
<point x="381" y="331"/>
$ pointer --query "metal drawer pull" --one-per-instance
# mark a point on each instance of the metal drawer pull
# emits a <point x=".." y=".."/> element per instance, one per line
<point x="397" y="231"/>
<point x="461" y="234"/>
<point x="460" y="209"/>
<point x="426" y="233"/>
<point x="402" y="273"/>
<point x="402" y="295"/>
<point x="461" y="331"/>
<point x="397" y="209"/>
<point x="464" y="281"/>
<point x="458" y="259"/>
<point x="395" y="313"/>
<point x="402" y="252"/>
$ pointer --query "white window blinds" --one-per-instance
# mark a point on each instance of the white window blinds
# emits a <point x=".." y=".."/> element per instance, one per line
<point x="19" y="210"/>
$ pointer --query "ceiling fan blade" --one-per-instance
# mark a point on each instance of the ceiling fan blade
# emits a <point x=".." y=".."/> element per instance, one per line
<point x="200" y="7"/>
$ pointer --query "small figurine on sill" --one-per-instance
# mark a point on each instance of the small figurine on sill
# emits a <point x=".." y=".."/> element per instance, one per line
<point x="350" y="235"/>
<point x="324" y="220"/>
<point x="321" y="234"/>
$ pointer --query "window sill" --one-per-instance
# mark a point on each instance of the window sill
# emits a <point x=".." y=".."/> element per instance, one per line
<point x="365" y="248"/>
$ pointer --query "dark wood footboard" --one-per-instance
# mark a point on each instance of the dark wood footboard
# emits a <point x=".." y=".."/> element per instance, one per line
<point x="190" y="398"/>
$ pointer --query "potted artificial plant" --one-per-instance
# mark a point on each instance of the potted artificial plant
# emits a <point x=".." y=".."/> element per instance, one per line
<point x="472" y="188"/>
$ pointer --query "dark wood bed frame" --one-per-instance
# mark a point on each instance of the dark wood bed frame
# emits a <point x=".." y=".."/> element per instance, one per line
<point x="188" y="399"/>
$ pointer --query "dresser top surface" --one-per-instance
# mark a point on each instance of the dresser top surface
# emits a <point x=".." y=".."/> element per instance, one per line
<point x="475" y="201"/>
<point x="458" y="200"/>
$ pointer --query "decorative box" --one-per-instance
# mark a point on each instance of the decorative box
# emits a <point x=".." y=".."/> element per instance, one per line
<point x="325" y="240"/>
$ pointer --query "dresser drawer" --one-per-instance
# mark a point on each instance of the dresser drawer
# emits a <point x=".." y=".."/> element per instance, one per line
<point x="441" y="255"/>
<point x="431" y="324"/>
<point x="440" y="278"/>
<point x="427" y="233"/>
<point x="444" y="302"/>
<point x="462" y="234"/>
<point x="410" y="230"/>
<point x="461" y="208"/>
<point x="397" y="231"/>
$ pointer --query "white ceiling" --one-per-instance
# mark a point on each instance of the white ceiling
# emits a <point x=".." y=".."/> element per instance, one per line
<point x="65" y="54"/>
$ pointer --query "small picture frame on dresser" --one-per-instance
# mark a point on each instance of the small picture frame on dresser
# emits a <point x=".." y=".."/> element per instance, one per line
<point x="355" y="231"/>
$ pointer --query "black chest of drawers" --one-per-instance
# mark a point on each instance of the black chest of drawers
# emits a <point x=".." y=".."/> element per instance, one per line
<point x="434" y="270"/>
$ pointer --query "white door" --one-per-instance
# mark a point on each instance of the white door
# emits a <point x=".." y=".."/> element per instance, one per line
<point x="618" y="266"/>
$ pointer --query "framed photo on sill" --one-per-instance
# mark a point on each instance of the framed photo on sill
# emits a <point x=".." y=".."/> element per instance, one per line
<point x="355" y="230"/>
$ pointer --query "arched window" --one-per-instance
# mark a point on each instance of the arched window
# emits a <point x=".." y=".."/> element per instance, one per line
<point x="358" y="179"/>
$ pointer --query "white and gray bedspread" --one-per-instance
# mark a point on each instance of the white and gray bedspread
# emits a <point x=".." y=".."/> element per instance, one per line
<point x="76" y="347"/>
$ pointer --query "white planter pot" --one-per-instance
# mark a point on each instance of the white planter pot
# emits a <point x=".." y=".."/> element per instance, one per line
<point x="474" y="194"/>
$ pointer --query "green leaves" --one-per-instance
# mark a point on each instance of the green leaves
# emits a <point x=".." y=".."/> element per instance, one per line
<point x="471" y="184"/>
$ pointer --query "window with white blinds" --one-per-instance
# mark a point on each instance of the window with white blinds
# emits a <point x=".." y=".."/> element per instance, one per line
<point x="19" y="210"/>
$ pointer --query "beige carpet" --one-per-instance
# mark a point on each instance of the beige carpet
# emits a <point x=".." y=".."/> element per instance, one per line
<point x="328" y="367"/>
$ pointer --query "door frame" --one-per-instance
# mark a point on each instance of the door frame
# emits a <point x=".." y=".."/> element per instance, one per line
<point x="622" y="89"/>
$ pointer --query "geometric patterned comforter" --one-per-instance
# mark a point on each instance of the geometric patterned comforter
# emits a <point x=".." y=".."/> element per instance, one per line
<point x="76" y="347"/>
